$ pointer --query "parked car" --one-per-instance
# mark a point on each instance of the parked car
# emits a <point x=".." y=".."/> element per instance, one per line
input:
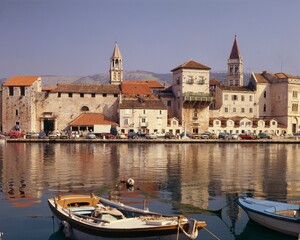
<point x="264" y="135"/>
<point x="151" y="136"/>
<point x="16" y="134"/>
<point x="247" y="136"/>
<point x="223" y="135"/>
<point x="122" y="136"/>
<point x="32" y="135"/>
<point x="185" y="134"/>
<point x="160" y="135"/>
<point x="132" y="135"/>
<point x="213" y="136"/>
<point x="233" y="136"/>
<point x="107" y="136"/>
<point x="42" y="135"/>
<point x="195" y="136"/>
<point x="169" y="135"/>
<point x="205" y="135"/>
<point x="90" y="135"/>
<point x="64" y="135"/>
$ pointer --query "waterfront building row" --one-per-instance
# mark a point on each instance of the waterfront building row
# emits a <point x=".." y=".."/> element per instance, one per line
<point x="193" y="103"/>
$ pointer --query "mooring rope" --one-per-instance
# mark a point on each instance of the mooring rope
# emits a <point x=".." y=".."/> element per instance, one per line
<point x="211" y="233"/>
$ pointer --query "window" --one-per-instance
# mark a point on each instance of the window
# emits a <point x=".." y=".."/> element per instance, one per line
<point x="236" y="69"/>
<point x="234" y="97"/>
<point x="126" y="121"/>
<point x="265" y="94"/>
<point x="104" y="95"/>
<point x="231" y="69"/>
<point x="265" y="108"/>
<point x="242" y="98"/>
<point x="70" y="95"/>
<point x="11" y="91"/>
<point x="190" y="80"/>
<point x="295" y="107"/>
<point x="59" y="94"/>
<point x="144" y="111"/>
<point x="225" y="97"/>
<point x="178" y="80"/>
<point x="22" y="90"/>
<point x="250" y="110"/>
<point x="195" y="116"/>
<point x="160" y="112"/>
<point x="242" y="110"/>
<point x="115" y="95"/>
<point x="85" y="109"/>
<point x="169" y="103"/>
<point x="226" y="110"/>
<point x="295" y="94"/>
<point x="82" y="95"/>
<point x="250" y="98"/>
<point x="17" y="113"/>
<point x="234" y="110"/>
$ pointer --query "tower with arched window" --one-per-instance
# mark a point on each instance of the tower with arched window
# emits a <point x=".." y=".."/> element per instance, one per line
<point x="235" y="66"/>
<point x="116" y="66"/>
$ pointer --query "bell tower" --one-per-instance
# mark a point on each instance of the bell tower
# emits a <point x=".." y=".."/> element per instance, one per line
<point x="116" y="66"/>
<point x="235" y="66"/>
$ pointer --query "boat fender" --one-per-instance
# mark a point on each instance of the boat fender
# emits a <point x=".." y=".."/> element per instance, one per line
<point x="130" y="182"/>
<point x="192" y="232"/>
<point x="66" y="228"/>
<point x="1" y="235"/>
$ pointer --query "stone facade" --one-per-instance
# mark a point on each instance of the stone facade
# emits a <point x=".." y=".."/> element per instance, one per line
<point x="20" y="97"/>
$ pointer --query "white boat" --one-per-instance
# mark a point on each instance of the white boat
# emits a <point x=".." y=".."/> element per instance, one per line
<point x="278" y="216"/>
<point x="85" y="217"/>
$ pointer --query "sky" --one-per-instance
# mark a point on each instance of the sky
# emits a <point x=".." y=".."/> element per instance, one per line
<point x="77" y="37"/>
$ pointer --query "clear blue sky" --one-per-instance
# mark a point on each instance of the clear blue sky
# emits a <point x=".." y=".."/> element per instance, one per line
<point x="77" y="37"/>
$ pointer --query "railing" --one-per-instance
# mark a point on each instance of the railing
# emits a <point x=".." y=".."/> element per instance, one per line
<point x="200" y="97"/>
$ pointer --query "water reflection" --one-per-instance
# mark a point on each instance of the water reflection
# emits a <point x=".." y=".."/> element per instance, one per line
<point x="188" y="177"/>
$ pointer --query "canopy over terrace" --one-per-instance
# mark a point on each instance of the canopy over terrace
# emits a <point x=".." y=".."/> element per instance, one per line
<point x="93" y="122"/>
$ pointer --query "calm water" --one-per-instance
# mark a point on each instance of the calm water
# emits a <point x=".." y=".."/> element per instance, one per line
<point x="191" y="179"/>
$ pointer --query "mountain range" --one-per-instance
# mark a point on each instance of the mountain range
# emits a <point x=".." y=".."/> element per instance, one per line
<point x="102" y="78"/>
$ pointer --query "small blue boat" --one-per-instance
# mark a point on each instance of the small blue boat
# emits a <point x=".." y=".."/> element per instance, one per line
<point x="278" y="216"/>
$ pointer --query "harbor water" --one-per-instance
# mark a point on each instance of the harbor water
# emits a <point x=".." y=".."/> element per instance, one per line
<point x="199" y="180"/>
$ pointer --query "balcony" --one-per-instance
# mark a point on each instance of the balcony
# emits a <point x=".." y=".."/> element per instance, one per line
<point x="197" y="97"/>
<point x="143" y="124"/>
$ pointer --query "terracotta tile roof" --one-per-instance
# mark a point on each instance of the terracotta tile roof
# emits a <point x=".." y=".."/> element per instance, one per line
<point x="151" y="83"/>
<point x="141" y="103"/>
<point x="129" y="88"/>
<point x="192" y="65"/>
<point x="87" y="88"/>
<point x="48" y="88"/>
<point x="90" y="119"/>
<point x="285" y="75"/>
<point x="260" y="78"/>
<point x="214" y="81"/>
<point x="235" y="88"/>
<point x="21" y="81"/>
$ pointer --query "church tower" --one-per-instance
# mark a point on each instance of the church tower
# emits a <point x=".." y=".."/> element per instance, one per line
<point x="116" y="66"/>
<point x="235" y="66"/>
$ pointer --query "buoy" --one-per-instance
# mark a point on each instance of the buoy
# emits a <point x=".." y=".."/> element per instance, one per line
<point x="130" y="182"/>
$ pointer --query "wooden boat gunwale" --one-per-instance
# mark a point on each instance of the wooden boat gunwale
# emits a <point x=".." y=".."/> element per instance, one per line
<point x="59" y="205"/>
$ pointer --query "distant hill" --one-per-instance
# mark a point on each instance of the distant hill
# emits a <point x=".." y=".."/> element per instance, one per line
<point x="50" y="80"/>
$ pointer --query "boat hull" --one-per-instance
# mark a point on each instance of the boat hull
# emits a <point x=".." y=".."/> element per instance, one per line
<point x="77" y="228"/>
<point x="260" y="211"/>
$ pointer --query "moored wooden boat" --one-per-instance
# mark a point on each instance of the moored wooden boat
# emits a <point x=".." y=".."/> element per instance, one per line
<point x="278" y="216"/>
<point x="85" y="217"/>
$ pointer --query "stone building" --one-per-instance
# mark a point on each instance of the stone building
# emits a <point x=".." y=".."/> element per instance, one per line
<point x="277" y="96"/>
<point x="188" y="98"/>
<point x="65" y="102"/>
<point x="20" y="98"/>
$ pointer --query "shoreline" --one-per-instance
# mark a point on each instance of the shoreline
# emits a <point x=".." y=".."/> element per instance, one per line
<point x="142" y="140"/>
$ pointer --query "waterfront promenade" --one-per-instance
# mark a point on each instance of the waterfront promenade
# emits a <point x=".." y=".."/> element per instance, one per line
<point x="295" y="140"/>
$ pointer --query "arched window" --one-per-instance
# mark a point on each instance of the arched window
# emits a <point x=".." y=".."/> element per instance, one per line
<point x="85" y="109"/>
